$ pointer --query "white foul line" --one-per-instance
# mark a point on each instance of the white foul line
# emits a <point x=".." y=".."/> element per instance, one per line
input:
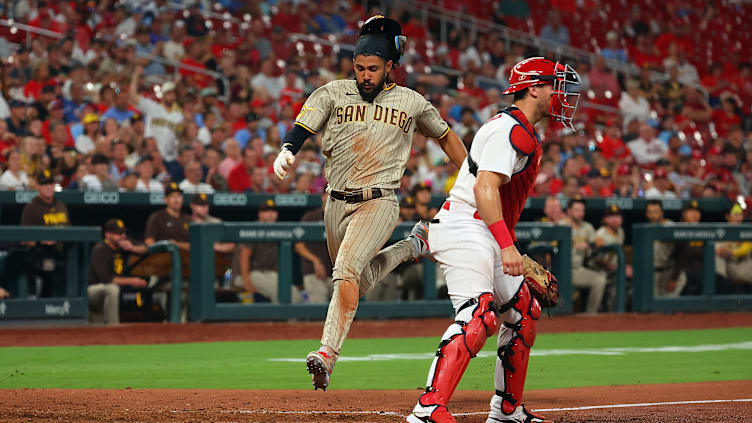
<point x="477" y="413"/>
<point x="550" y="352"/>
<point x="599" y="407"/>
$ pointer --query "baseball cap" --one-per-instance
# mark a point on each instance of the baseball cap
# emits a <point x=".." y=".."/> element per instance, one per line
<point x="90" y="118"/>
<point x="691" y="205"/>
<point x="115" y="226"/>
<point x="593" y="173"/>
<point x="407" y="202"/>
<point x="172" y="187"/>
<point x="612" y="210"/>
<point x="136" y="118"/>
<point x="268" y="205"/>
<point x="44" y="177"/>
<point x="736" y="209"/>
<point x="659" y="173"/>
<point x="17" y="103"/>
<point x="420" y="187"/>
<point x="200" y="200"/>
<point x="167" y="87"/>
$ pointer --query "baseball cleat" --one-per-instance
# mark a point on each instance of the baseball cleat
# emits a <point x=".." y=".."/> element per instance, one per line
<point x="427" y="411"/>
<point x="320" y="367"/>
<point x="521" y="415"/>
<point x="419" y="239"/>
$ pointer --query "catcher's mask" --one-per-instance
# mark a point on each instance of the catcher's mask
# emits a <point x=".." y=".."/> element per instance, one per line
<point x="540" y="71"/>
<point x="377" y="27"/>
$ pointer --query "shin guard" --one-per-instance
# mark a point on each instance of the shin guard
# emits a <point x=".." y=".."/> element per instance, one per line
<point x="475" y="322"/>
<point x="520" y="321"/>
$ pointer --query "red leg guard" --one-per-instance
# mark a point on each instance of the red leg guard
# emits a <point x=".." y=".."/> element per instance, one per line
<point x="516" y="354"/>
<point x="475" y="322"/>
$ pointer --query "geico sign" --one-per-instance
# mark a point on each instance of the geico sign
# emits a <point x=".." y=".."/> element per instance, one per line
<point x="230" y="199"/>
<point x="25" y="196"/>
<point x="156" y="198"/>
<point x="101" y="197"/>
<point x="291" y="200"/>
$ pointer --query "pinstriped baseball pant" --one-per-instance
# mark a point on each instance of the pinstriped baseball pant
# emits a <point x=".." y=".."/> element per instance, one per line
<point x="355" y="232"/>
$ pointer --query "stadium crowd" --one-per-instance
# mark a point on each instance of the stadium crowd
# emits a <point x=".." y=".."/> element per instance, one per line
<point x="100" y="115"/>
<point x="145" y="96"/>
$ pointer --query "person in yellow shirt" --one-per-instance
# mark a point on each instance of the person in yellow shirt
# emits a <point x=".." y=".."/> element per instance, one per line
<point x="733" y="259"/>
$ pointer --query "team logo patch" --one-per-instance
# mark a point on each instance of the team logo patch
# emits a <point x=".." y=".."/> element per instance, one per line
<point x="304" y="110"/>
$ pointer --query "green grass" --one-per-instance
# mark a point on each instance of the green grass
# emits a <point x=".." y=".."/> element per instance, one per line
<point x="244" y="365"/>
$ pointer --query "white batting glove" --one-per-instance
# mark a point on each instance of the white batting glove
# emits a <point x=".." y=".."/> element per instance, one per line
<point x="284" y="160"/>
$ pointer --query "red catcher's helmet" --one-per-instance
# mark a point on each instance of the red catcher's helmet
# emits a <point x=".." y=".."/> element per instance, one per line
<point x="540" y="71"/>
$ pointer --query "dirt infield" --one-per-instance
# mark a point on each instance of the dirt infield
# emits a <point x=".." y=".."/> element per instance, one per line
<point x="369" y="406"/>
<point x="165" y="333"/>
<point x="699" y="402"/>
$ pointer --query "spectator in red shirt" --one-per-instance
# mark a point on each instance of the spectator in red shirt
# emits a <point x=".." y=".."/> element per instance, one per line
<point x="239" y="179"/>
<point x="715" y="82"/>
<point x="726" y="117"/>
<point x="612" y="146"/>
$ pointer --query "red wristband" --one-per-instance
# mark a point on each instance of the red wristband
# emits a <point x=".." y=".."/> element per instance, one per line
<point x="500" y="232"/>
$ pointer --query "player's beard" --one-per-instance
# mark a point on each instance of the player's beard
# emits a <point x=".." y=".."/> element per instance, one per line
<point x="369" y="96"/>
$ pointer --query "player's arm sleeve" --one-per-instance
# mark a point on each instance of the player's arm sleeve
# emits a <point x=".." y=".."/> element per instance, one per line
<point x="29" y="216"/>
<point x="316" y="111"/>
<point x="497" y="155"/>
<point x="151" y="228"/>
<point x="430" y="123"/>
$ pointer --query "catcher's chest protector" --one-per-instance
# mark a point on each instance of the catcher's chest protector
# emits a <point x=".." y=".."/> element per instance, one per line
<point x="513" y="194"/>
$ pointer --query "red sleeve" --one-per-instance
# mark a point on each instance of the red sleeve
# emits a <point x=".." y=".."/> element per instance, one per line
<point x="522" y="141"/>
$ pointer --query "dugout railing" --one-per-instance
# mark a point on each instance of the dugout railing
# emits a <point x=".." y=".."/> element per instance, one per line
<point x="204" y="306"/>
<point x="643" y="237"/>
<point x="70" y="299"/>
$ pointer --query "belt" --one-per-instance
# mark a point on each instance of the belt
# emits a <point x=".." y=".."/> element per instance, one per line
<point x="358" y="196"/>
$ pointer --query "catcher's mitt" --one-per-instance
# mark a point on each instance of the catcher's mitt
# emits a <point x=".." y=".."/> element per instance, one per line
<point x="542" y="283"/>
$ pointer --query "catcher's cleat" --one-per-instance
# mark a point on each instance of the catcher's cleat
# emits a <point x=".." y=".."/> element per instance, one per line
<point x="419" y="239"/>
<point x="320" y="367"/>
<point x="428" y="411"/>
<point x="439" y="415"/>
<point x="521" y="415"/>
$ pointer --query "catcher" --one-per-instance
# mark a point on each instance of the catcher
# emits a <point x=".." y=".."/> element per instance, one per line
<point x="490" y="284"/>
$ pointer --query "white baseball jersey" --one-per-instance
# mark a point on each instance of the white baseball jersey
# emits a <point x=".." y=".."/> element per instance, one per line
<point x="163" y="125"/>
<point x="493" y="152"/>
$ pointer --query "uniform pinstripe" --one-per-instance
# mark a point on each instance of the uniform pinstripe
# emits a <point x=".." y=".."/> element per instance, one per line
<point x="366" y="145"/>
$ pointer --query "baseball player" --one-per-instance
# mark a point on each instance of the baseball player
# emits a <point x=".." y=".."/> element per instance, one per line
<point x="472" y="238"/>
<point x="367" y="126"/>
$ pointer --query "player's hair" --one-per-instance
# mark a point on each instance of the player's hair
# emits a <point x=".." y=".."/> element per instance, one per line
<point x="574" y="201"/>
<point x="654" y="202"/>
<point x="521" y="94"/>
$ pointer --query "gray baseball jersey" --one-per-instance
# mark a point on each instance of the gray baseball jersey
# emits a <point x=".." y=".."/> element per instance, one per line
<point x="367" y="144"/>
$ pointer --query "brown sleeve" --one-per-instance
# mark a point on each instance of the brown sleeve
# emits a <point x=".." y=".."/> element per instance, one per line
<point x="101" y="265"/>
<point x="29" y="216"/>
<point x="152" y="226"/>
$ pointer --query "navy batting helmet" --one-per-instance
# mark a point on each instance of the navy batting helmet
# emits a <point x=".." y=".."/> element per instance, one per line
<point x="379" y="25"/>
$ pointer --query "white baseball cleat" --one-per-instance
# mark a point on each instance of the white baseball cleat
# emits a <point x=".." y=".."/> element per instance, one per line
<point x="419" y="239"/>
<point x="320" y="367"/>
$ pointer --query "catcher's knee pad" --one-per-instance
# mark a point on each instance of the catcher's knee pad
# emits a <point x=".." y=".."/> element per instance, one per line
<point x="475" y="322"/>
<point x="515" y="354"/>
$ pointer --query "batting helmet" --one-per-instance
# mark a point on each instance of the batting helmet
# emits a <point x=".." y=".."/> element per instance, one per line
<point x="540" y="71"/>
<point x="390" y="29"/>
